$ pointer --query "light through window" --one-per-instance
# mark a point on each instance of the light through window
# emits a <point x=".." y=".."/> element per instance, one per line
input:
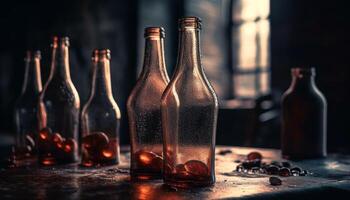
<point x="250" y="48"/>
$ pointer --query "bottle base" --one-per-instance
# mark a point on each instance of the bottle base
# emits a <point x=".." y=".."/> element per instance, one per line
<point x="90" y="163"/>
<point x="50" y="160"/>
<point x="145" y="176"/>
<point x="185" y="184"/>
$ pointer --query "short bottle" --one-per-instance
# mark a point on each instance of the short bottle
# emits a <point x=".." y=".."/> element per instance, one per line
<point x="144" y="113"/>
<point x="189" y="109"/>
<point x="304" y="117"/>
<point x="59" y="106"/>
<point x="100" y="117"/>
<point x="26" y="108"/>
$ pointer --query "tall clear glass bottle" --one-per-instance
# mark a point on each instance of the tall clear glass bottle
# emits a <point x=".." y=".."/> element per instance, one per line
<point x="143" y="107"/>
<point x="100" y="116"/>
<point x="26" y="108"/>
<point x="304" y="117"/>
<point x="59" y="106"/>
<point x="189" y="109"/>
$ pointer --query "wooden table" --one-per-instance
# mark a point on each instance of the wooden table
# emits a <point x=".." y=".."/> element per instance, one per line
<point x="330" y="178"/>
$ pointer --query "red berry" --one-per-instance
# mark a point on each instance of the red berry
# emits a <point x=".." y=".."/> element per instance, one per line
<point x="197" y="168"/>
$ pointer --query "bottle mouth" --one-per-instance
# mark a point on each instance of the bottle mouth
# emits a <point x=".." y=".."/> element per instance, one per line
<point x="303" y="71"/>
<point x="28" y="56"/>
<point x="190" y="22"/>
<point x="98" y="54"/>
<point x="154" y="31"/>
<point x="64" y="41"/>
<point x="31" y="55"/>
<point x="37" y="54"/>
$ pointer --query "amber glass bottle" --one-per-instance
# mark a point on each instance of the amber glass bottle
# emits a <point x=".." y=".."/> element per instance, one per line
<point x="26" y="108"/>
<point x="100" y="116"/>
<point x="189" y="109"/>
<point x="304" y="117"/>
<point x="59" y="106"/>
<point x="144" y="110"/>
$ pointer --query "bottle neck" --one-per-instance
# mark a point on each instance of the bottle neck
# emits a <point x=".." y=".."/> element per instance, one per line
<point x="154" y="62"/>
<point x="101" y="84"/>
<point x="189" y="50"/>
<point x="60" y="63"/>
<point x="32" y="77"/>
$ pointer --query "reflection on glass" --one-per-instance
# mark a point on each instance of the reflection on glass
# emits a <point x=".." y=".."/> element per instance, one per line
<point x="145" y="191"/>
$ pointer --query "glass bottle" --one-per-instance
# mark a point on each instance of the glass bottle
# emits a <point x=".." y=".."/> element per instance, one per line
<point x="143" y="107"/>
<point x="26" y="108"/>
<point x="100" y="116"/>
<point x="59" y="106"/>
<point x="189" y="109"/>
<point x="304" y="117"/>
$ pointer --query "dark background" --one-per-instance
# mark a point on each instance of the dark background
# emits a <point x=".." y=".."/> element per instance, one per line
<point x="309" y="33"/>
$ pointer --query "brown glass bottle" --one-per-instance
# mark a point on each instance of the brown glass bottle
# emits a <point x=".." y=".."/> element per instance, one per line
<point x="26" y="108"/>
<point x="189" y="109"/>
<point x="144" y="110"/>
<point x="59" y="106"/>
<point x="304" y="117"/>
<point x="100" y="116"/>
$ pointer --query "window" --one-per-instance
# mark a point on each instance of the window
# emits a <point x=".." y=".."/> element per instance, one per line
<point x="234" y="40"/>
<point x="250" y="60"/>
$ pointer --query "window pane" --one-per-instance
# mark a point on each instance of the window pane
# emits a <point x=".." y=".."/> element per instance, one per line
<point x="264" y="82"/>
<point x="244" y="46"/>
<point x="245" y="85"/>
<point x="263" y="8"/>
<point x="263" y="31"/>
<point x="249" y="10"/>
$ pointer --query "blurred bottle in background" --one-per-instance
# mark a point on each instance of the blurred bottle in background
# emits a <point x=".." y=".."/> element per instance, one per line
<point x="189" y="109"/>
<point x="100" y="116"/>
<point x="304" y="117"/>
<point x="144" y="109"/>
<point x="59" y="106"/>
<point x="26" y="107"/>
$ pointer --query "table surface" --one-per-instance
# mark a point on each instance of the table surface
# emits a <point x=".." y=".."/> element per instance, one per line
<point x="330" y="178"/>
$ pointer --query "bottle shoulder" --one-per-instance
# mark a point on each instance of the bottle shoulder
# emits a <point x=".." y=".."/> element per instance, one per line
<point x="60" y="96"/>
<point x="147" y="90"/>
<point x="190" y="88"/>
<point x="304" y="97"/>
<point x="63" y="89"/>
<point x="108" y="106"/>
<point x="320" y="95"/>
<point x="93" y="110"/>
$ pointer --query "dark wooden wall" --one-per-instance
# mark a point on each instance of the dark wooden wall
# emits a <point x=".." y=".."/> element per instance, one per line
<point x="89" y="24"/>
<point x="316" y="33"/>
